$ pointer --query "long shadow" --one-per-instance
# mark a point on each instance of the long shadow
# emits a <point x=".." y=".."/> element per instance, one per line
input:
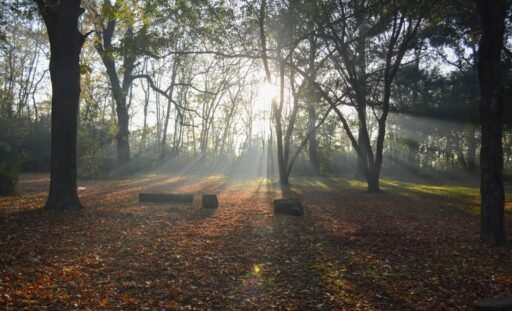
<point x="402" y="234"/>
<point x="349" y="248"/>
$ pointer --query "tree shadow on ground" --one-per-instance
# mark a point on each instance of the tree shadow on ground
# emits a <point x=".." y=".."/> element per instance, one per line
<point x="416" y="250"/>
<point x="351" y="249"/>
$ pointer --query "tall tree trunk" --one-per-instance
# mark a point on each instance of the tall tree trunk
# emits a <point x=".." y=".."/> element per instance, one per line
<point x="103" y="45"/>
<point x="283" y="174"/>
<point x="163" y="146"/>
<point x="473" y="115"/>
<point x="313" y="143"/>
<point x="277" y="108"/>
<point x="361" y="91"/>
<point x="296" y="94"/>
<point x="415" y="89"/>
<point x="278" y="118"/>
<point x="362" y="164"/>
<point x="311" y="106"/>
<point x="123" y="132"/>
<point x="144" y="135"/>
<point x="66" y="43"/>
<point x="373" y="177"/>
<point x="119" y="92"/>
<point x="492" y="14"/>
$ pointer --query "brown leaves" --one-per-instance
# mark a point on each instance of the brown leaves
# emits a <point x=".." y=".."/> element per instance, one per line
<point x="351" y="250"/>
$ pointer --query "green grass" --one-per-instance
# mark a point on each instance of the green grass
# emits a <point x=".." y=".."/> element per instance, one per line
<point x="453" y="192"/>
<point x="457" y="197"/>
<point x="390" y="185"/>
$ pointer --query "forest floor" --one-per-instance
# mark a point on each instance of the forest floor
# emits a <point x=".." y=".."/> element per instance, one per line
<point x="413" y="246"/>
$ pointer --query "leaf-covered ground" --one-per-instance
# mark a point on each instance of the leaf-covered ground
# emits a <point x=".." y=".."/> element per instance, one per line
<point x="411" y="247"/>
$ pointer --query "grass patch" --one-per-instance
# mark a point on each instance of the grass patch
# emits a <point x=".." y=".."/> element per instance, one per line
<point x="459" y="197"/>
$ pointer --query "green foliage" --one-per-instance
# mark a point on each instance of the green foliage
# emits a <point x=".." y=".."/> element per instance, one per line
<point x="85" y="69"/>
<point x="10" y="166"/>
<point x="35" y="146"/>
<point x="9" y="179"/>
<point x="10" y="155"/>
<point x="93" y="154"/>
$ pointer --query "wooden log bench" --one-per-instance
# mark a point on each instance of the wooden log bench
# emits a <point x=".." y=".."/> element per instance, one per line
<point x="288" y="207"/>
<point x="494" y="304"/>
<point x="165" y="198"/>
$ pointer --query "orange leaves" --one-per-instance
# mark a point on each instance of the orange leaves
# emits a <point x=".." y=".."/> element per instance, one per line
<point x="352" y="251"/>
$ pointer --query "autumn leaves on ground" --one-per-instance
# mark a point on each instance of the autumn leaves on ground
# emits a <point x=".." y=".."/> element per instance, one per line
<point x="411" y="247"/>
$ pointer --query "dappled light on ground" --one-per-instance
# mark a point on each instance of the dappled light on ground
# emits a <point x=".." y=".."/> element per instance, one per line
<point x="411" y="247"/>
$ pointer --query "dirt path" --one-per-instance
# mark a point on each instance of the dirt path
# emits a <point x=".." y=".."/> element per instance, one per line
<point x="351" y="249"/>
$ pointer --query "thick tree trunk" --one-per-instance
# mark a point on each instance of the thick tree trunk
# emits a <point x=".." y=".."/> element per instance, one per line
<point x="123" y="132"/>
<point x="65" y="44"/>
<point x="362" y="165"/>
<point x="373" y="178"/>
<point x="492" y="13"/>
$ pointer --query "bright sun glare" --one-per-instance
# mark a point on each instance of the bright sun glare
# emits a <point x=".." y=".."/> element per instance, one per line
<point x="266" y="92"/>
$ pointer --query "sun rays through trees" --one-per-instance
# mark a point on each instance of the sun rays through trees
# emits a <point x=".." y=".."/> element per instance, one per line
<point x="369" y="124"/>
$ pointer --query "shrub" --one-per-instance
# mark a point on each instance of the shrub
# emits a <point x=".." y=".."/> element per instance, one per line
<point x="8" y="180"/>
<point x="10" y="167"/>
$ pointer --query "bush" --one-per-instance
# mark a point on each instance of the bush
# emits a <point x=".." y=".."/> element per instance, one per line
<point x="10" y="166"/>
<point x="35" y="145"/>
<point x="95" y="155"/>
<point x="8" y="180"/>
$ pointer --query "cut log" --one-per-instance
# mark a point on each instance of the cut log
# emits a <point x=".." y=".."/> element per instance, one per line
<point x="210" y="201"/>
<point x="494" y="304"/>
<point x="165" y="198"/>
<point x="288" y="207"/>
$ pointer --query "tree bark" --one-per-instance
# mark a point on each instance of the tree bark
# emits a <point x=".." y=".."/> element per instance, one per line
<point x="362" y="165"/>
<point x="373" y="177"/>
<point x="473" y="122"/>
<point x="105" y="49"/>
<point x="311" y="106"/>
<point x="281" y="164"/>
<point x="276" y="111"/>
<point x="492" y="14"/>
<point x="313" y="143"/>
<point x="123" y="132"/>
<point x="143" y="137"/>
<point x="361" y="89"/>
<point x="163" y="146"/>
<point x="66" y="43"/>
